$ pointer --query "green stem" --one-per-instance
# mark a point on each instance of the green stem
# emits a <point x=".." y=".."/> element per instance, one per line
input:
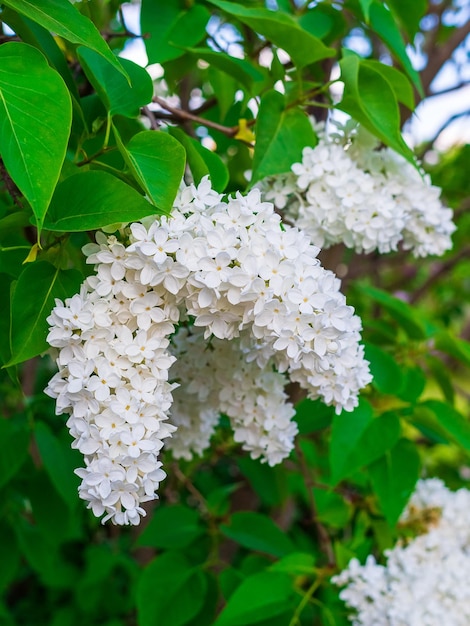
<point x="295" y="621"/>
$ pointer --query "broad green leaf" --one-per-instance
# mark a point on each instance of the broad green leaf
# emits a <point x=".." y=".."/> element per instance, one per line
<point x="345" y="434"/>
<point x="171" y="527"/>
<point x="365" y="6"/>
<point x="315" y="22"/>
<point x="202" y="161"/>
<point x="33" y="299"/>
<point x="414" y="383"/>
<point x="51" y="513"/>
<point x="405" y="315"/>
<point x="14" y="441"/>
<point x="443" y="376"/>
<point x="312" y="415"/>
<point x="370" y="99"/>
<point x="11" y="557"/>
<point x="32" y="146"/>
<point x="34" y="34"/>
<point x="398" y="81"/>
<point x="259" y="597"/>
<point x="386" y="27"/>
<point x="394" y="477"/>
<point x="386" y="372"/>
<point x="454" y="423"/>
<point x="94" y="199"/>
<point x="269" y="483"/>
<point x="409" y="14"/>
<point x="117" y="94"/>
<point x="58" y="464"/>
<point x="281" y="135"/>
<point x="332" y="509"/>
<point x="170" y="27"/>
<point x="240" y="69"/>
<point x="225" y="87"/>
<point x="157" y="161"/>
<point x="282" y="30"/>
<point x="62" y="18"/>
<point x="453" y="346"/>
<point x="381" y="434"/>
<point x="295" y="564"/>
<point x="426" y="422"/>
<point x="257" y="532"/>
<point x="43" y="556"/>
<point x="170" y="592"/>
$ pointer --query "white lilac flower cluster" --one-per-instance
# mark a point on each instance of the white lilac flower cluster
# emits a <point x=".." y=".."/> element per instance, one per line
<point x="425" y="580"/>
<point x="348" y="191"/>
<point x="233" y="271"/>
<point x="220" y="377"/>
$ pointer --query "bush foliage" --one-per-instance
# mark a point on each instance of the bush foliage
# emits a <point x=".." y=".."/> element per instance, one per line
<point x="89" y="140"/>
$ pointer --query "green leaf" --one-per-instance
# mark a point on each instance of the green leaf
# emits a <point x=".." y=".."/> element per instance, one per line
<point x="240" y="69"/>
<point x="43" y="556"/>
<point x="414" y="383"/>
<point x="453" y="346"/>
<point x="224" y="87"/>
<point x="202" y="161"/>
<point x="295" y="564"/>
<point x="261" y="596"/>
<point x="34" y="34"/>
<point x="312" y="415"/>
<point x="33" y="299"/>
<point x="398" y="81"/>
<point x="170" y="28"/>
<point x="14" y="441"/>
<point x="281" y="135"/>
<point x="63" y="19"/>
<point x="387" y="375"/>
<point x="11" y="557"/>
<point x="345" y="434"/>
<point x="443" y="377"/>
<point x="453" y="422"/>
<point x="94" y="199"/>
<point x="405" y="315"/>
<point x="118" y="95"/>
<point x="257" y="532"/>
<point x="157" y="161"/>
<point x="365" y="6"/>
<point x="59" y="465"/>
<point x="32" y="146"/>
<point x="269" y="483"/>
<point x="385" y="26"/>
<point x="378" y="436"/>
<point x="170" y="592"/>
<point x="409" y="14"/>
<point x="332" y="509"/>
<point x="171" y="527"/>
<point x="282" y="30"/>
<point x="370" y="99"/>
<point x="394" y="477"/>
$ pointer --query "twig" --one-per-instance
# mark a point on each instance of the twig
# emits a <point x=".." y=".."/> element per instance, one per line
<point x="442" y="269"/>
<point x="442" y="54"/>
<point x="323" y="537"/>
<point x="183" y="115"/>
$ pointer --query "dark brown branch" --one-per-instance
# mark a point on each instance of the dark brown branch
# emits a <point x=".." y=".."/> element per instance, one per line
<point x="440" y="270"/>
<point x="438" y="55"/>
<point x="188" y="116"/>
<point x="322" y="535"/>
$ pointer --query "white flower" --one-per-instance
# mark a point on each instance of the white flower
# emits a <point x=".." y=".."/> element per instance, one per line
<point x="346" y="190"/>
<point x="425" y="580"/>
<point x="262" y="311"/>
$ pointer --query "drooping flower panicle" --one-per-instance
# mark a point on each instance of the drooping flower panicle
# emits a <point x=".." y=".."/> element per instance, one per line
<point x="425" y="580"/>
<point x="346" y="190"/>
<point x="235" y="272"/>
